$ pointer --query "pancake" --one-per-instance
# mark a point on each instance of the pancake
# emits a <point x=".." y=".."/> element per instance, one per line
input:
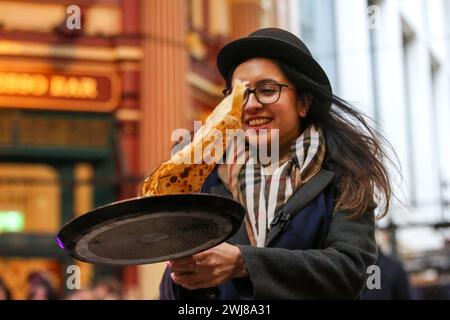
<point x="186" y="170"/>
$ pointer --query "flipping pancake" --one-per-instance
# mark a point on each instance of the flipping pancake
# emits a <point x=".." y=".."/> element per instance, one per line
<point x="187" y="170"/>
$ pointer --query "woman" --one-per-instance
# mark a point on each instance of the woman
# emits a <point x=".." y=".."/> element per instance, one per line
<point x="309" y="228"/>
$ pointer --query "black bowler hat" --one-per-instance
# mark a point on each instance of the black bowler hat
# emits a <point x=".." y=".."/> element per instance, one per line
<point x="272" y="43"/>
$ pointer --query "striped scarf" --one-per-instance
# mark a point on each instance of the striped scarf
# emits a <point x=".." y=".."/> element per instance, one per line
<point x="263" y="191"/>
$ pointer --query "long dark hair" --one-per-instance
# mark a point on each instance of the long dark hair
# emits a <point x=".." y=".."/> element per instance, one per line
<point x="356" y="151"/>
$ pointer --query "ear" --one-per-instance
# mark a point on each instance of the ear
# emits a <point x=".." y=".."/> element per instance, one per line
<point x="303" y="105"/>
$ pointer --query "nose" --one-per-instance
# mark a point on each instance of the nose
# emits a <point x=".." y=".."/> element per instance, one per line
<point x="252" y="105"/>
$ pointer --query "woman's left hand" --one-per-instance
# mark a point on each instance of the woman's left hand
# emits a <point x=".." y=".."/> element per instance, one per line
<point x="209" y="268"/>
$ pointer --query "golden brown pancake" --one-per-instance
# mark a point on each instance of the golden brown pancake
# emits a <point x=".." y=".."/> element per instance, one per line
<point x="185" y="174"/>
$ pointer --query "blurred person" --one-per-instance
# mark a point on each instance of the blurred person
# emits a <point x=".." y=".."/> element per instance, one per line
<point x="394" y="283"/>
<point x="309" y="228"/>
<point x="83" y="294"/>
<point x="5" y="293"/>
<point x="108" y="289"/>
<point x="40" y="287"/>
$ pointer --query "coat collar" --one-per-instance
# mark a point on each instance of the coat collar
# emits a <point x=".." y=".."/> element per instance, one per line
<point x="296" y="202"/>
<point x="300" y="199"/>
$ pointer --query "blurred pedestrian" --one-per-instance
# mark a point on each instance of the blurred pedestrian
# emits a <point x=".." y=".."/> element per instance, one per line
<point x="84" y="294"/>
<point x="394" y="283"/>
<point x="5" y="293"/>
<point x="108" y="289"/>
<point x="40" y="287"/>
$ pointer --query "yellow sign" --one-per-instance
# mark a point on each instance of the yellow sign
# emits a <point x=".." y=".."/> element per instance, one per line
<point x="48" y="89"/>
<point x="26" y="84"/>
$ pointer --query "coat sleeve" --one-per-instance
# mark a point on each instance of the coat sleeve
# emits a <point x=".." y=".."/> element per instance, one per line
<point x="338" y="271"/>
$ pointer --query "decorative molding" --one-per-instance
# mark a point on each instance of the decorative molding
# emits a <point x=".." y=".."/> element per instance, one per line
<point x="126" y="114"/>
<point x="34" y="49"/>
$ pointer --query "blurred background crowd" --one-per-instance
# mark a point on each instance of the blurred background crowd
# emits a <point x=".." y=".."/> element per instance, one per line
<point x="39" y="286"/>
<point x="90" y="94"/>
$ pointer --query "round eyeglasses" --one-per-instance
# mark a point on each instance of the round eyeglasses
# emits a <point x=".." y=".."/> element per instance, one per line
<point x="265" y="94"/>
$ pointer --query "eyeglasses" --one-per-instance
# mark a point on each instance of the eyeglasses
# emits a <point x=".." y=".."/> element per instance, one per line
<point x="267" y="93"/>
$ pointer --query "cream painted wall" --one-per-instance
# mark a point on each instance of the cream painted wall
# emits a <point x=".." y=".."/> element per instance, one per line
<point x="18" y="15"/>
<point x="149" y="278"/>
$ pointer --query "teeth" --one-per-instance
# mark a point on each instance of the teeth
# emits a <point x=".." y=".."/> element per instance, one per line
<point x="259" y="121"/>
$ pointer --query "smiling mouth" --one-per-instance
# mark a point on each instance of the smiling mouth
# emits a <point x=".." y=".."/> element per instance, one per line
<point x="258" y="122"/>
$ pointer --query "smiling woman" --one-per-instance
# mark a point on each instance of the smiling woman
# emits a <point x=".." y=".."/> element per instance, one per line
<point x="309" y="226"/>
<point x="274" y="104"/>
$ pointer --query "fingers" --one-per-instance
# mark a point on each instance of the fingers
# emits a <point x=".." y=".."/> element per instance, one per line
<point x="193" y="275"/>
<point x="192" y="281"/>
<point x="205" y="269"/>
<point x="202" y="255"/>
<point x="183" y="260"/>
<point x="191" y="263"/>
<point x="183" y="265"/>
<point x="191" y="267"/>
<point x="205" y="277"/>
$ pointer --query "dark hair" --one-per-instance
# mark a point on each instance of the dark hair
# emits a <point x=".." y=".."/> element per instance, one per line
<point x="5" y="289"/>
<point x="355" y="150"/>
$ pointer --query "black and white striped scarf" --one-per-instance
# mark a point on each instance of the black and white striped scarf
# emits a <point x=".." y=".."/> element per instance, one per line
<point x="263" y="193"/>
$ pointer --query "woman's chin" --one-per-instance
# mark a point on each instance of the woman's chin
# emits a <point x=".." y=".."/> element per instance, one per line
<point x="262" y="137"/>
<point x="262" y="141"/>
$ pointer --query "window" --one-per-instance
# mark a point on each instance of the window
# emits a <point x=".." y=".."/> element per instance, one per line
<point x="30" y="193"/>
<point x="317" y="25"/>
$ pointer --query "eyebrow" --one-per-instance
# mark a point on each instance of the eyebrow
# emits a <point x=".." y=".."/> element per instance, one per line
<point x="264" y="81"/>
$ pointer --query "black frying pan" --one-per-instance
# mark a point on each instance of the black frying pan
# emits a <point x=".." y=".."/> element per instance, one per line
<point x="151" y="229"/>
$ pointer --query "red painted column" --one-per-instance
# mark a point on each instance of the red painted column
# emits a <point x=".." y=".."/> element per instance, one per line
<point x="245" y="17"/>
<point x="165" y="97"/>
<point x="128" y="117"/>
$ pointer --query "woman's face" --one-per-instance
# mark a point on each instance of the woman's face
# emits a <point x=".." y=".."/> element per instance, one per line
<point x="282" y="115"/>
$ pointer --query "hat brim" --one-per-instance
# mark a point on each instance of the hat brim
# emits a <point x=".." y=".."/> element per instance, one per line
<point x="238" y="51"/>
